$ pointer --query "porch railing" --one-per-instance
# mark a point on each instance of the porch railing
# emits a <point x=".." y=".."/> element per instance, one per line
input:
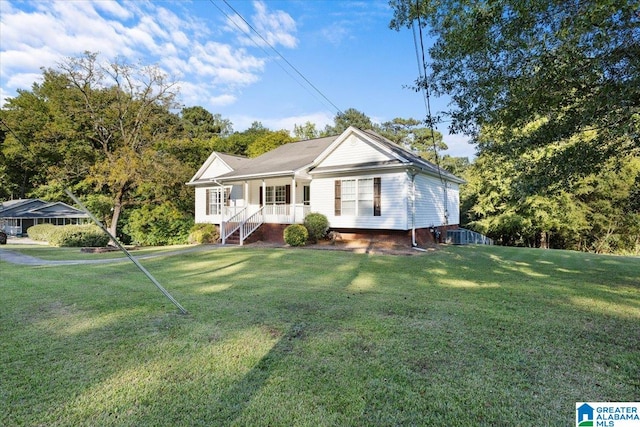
<point x="12" y="230"/>
<point x="278" y="210"/>
<point x="251" y="224"/>
<point x="232" y="224"/>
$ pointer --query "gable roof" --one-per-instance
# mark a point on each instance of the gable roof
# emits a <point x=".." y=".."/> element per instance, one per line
<point x="230" y="161"/>
<point x="36" y="208"/>
<point x="423" y="164"/>
<point x="292" y="158"/>
<point x="286" y="159"/>
<point x="398" y="156"/>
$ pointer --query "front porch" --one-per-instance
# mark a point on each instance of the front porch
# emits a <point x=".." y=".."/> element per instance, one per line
<point x="240" y="207"/>
<point x="238" y="223"/>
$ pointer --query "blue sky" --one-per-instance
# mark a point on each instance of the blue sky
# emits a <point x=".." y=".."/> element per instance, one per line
<point x="344" y="48"/>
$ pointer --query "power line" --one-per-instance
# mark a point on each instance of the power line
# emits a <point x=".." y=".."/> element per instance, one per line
<point x="422" y="67"/>
<point x="422" y="71"/>
<point x="336" y="108"/>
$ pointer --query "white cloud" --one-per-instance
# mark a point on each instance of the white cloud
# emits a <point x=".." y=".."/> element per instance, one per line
<point x="320" y="119"/>
<point x="276" y="28"/>
<point x="25" y="80"/>
<point x="459" y="146"/>
<point x="114" y="8"/>
<point x="222" y="100"/>
<point x="42" y="34"/>
<point x="335" y="33"/>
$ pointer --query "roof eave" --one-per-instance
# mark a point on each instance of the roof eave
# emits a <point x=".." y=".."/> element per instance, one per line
<point x="356" y="169"/>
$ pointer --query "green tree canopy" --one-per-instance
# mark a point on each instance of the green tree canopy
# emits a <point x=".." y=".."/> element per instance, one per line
<point x="305" y="131"/>
<point x="350" y="117"/>
<point x="198" y="123"/>
<point x="268" y="141"/>
<point x="571" y="66"/>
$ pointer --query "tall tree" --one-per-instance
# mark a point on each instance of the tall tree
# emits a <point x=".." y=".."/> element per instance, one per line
<point x="268" y="141"/>
<point x="570" y="66"/>
<point x="413" y="135"/>
<point x="126" y="107"/>
<point x="305" y="131"/>
<point x="198" y="123"/>
<point x="350" y="117"/>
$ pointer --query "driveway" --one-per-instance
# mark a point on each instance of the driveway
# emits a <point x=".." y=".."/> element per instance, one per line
<point x="14" y="257"/>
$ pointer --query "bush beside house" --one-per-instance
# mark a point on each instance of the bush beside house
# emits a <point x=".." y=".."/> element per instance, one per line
<point x="296" y="235"/>
<point x="159" y="225"/>
<point x="317" y="226"/>
<point x="78" y="236"/>
<point x="204" y="233"/>
<point x="69" y="235"/>
<point x="41" y="232"/>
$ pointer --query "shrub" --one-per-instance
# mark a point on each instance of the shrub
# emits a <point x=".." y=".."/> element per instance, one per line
<point x="3" y="238"/>
<point x="317" y="226"/>
<point x="203" y="234"/>
<point x="78" y="236"/>
<point x="41" y="232"/>
<point x="295" y="235"/>
<point x="159" y="225"/>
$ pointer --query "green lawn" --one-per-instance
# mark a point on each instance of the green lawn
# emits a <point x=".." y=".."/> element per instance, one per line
<point x="465" y="336"/>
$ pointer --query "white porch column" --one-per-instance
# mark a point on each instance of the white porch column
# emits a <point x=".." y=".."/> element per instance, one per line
<point x="264" y="193"/>
<point x="246" y="195"/>
<point x="293" y="200"/>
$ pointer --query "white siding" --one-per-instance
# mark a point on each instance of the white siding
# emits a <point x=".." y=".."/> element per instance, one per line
<point x="453" y="197"/>
<point x="393" y="196"/>
<point x="236" y="202"/>
<point x="430" y="201"/>
<point x="201" y="208"/>
<point x="354" y="150"/>
<point x="216" y="168"/>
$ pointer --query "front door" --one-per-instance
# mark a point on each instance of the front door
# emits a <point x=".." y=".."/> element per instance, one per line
<point x="26" y="223"/>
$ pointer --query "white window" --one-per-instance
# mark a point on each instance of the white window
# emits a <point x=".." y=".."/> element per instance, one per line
<point x="358" y="197"/>
<point x="216" y="200"/>
<point x="276" y="195"/>
<point x="306" y="195"/>
<point x="365" y="197"/>
<point x="349" y="196"/>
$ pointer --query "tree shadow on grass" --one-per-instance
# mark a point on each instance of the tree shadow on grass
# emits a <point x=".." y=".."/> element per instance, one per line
<point x="237" y="398"/>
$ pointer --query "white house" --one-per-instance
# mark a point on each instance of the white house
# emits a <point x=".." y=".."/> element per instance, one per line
<point x="362" y="182"/>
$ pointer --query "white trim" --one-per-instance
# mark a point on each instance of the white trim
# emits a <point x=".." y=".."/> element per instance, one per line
<point x="344" y="135"/>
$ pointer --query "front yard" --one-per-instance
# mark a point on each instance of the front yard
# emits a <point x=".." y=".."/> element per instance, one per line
<point x="462" y="336"/>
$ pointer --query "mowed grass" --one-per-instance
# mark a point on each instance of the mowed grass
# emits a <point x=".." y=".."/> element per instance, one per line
<point x="464" y="336"/>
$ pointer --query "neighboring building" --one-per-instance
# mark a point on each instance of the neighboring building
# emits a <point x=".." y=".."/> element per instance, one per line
<point x="362" y="182"/>
<point x="16" y="216"/>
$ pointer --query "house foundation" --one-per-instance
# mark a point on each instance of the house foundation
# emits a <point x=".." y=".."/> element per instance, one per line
<point x="425" y="237"/>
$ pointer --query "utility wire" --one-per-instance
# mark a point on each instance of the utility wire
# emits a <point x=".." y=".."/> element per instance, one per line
<point x="422" y="70"/>
<point x="336" y="108"/>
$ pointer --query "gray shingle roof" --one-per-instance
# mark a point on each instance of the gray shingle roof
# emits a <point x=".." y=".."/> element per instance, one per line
<point x="287" y="159"/>
<point x="284" y="160"/>
<point x="36" y="208"/>
<point x="233" y="161"/>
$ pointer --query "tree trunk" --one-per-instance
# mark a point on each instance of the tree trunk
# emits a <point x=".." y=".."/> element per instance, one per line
<point x="117" y="209"/>
<point x="544" y="240"/>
